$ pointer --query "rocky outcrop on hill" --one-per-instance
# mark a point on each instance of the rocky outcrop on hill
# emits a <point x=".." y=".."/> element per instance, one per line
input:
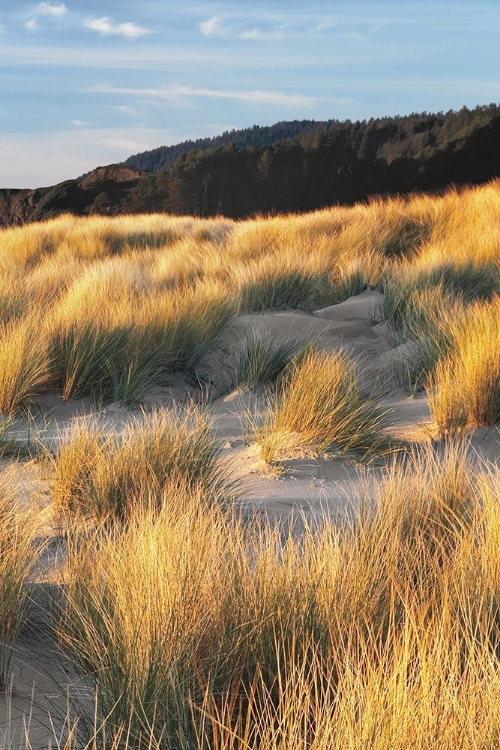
<point x="99" y="192"/>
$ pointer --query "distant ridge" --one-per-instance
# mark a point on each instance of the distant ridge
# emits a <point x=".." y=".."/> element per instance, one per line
<point x="392" y="137"/>
<point x="257" y="136"/>
<point x="309" y="165"/>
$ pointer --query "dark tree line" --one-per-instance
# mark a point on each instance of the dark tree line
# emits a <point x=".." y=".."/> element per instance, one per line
<point x="415" y="135"/>
<point x="258" y="136"/>
<point x="327" y="164"/>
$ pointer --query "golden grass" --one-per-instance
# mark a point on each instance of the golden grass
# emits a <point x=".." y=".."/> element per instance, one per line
<point x="25" y="365"/>
<point x="133" y="279"/>
<point x="465" y="387"/>
<point x="380" y="634"/>
<point x="321" y="406"/>
<point x="108" y="475"/>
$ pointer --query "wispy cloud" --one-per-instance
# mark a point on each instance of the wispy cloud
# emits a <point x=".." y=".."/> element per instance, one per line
<point x="259" y="35"/>
<point x="124" y="108"/>
<point x="175" y="93"/>
<point x="325" y="24"/>
<point x="44" y="11"/>
<point x="78" y="123"/>
<point x="214" y="27"/>
<point x="355" y="36"/>
<point x="106" y="27"/>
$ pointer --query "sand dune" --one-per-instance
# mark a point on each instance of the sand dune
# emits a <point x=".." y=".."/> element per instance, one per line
<point x="307" y="488"/>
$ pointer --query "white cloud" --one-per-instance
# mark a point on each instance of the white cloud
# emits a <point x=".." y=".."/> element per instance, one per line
<point x="176" y="93"/>
<point x="209" y="27"/>
<point x="325" y="24"/>
<point x="214" y="27"/>
<point x="123" y="108"/>
<point x="105" y="26"/>
<point x="355" y="35"/>
<point x="78" y="123"/>
<point x="262" y="35"/>
<point x="45" y="11"/>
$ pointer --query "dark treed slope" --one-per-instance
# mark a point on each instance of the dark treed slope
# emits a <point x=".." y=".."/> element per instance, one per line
<point x="258" y="136"/>
<point x="336" y="162"/>
<point x="416" y="135"/>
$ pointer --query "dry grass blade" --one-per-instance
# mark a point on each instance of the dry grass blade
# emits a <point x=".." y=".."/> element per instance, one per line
<point x="354" y="636"/>
<point x="465" y="388"/>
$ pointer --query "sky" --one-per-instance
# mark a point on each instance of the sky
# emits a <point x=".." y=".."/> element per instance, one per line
<point x="89" y="82"/>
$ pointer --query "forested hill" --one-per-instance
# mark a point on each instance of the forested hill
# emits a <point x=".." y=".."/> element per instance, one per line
<point x="415" y="135"/>
<point x="327" y="163"/>
<point x="258" y="136"/>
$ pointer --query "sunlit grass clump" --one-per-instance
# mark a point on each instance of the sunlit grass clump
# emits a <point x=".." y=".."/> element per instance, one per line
<point x="25" y="364"/>
<point x="321" y="406"/>
<point x="117" y="350"/>
<point x="158" y="455"/>
<point x="465" y="387"/>
<point x="466" y="282"/>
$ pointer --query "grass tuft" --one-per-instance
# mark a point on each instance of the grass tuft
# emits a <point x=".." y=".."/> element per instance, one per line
<point x="24" y="365"/>
<point x="381" y="633"/>
<point x="157" y="454"/>
<point x="260" y="359"/>
<point x="321" y="406"/>
<point x="465" y="387"/>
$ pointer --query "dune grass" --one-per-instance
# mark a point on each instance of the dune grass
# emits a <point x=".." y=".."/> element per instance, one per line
<point x="155" y="456"/>
<point x="272" y="283"/>
<point x="382" y="633"/>
<point x="321" y="406"/>
<point x="83" y="353"/>
<point x="260" y="359"/>
<point x="467" y="282"/>
<point x="428" y="329"/>
<point x="145" y="296"/>
<point x="182" y="326"/>
<point x="425" y="306"/>
<point x="465" y="387"/>
<point x="18" y="557"/>
<point x="25" y="364"/>
<point x="119" y="348"/>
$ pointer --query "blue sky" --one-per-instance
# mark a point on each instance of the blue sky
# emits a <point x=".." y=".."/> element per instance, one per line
<point x="89" y="82"/>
